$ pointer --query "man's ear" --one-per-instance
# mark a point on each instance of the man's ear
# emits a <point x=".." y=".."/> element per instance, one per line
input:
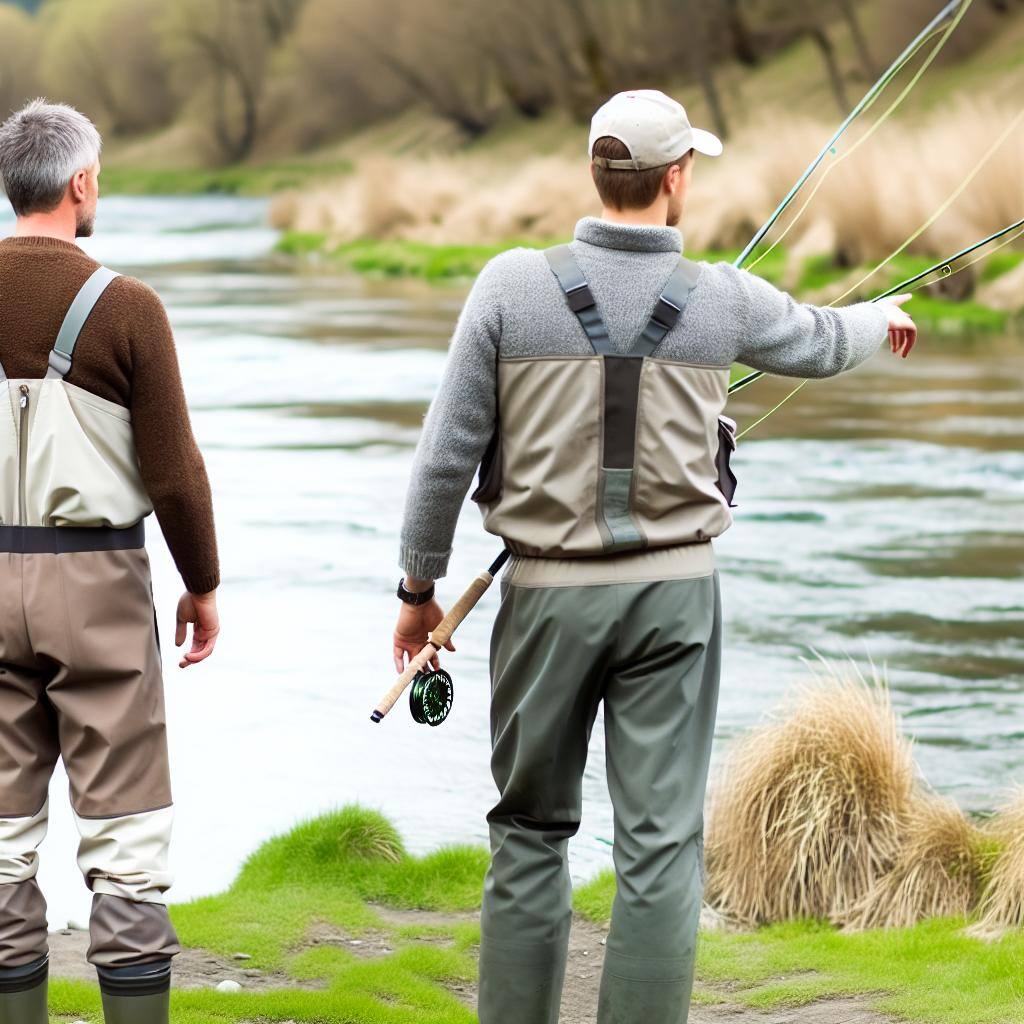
<point x="80" y="186"/>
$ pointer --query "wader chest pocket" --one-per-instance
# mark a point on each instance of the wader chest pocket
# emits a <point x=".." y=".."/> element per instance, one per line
<point x="723" y="460"/>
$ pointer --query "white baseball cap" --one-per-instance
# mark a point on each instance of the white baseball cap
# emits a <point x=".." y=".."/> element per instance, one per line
<point x="652" y="126"/>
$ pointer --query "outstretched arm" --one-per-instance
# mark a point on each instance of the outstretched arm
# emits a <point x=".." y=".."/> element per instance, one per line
<point x="779" y="335"/>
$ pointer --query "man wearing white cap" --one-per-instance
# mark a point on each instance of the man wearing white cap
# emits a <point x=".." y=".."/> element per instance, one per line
<point x="588" y="382"/>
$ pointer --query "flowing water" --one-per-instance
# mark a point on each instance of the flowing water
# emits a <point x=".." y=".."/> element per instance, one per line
<point x="881" y="516"/>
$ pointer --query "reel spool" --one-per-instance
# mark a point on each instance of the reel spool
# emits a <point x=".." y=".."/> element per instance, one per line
<point x="431" y="696"/>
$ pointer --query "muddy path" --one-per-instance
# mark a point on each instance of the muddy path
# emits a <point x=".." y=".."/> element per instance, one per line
<point x="198" y="968"/>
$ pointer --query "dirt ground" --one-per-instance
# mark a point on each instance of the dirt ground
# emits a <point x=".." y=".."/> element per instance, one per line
<point x="193" y="968"/>
<point x="196" y="968"/>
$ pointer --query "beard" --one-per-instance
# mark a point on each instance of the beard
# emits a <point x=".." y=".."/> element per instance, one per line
<point x="85" y="224"/>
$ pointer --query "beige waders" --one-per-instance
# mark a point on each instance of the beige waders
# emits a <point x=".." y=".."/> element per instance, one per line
<point x="80" y="679"/>
<point x="607" y="478"/>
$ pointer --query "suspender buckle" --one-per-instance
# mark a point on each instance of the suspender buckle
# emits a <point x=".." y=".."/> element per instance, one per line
<point x="59" y="363"/>
<point x="580" y="297"/>
<point x="666" y="313"/>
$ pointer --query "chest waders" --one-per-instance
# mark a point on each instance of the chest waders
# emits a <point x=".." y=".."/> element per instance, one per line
<point x="608" y="452"/>
<point x="610" y="601"/>
<point x="80" y="679"/>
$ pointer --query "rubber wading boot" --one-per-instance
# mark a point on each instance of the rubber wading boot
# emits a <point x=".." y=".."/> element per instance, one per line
<point x="23" y="993"/>
<point x="139" y="994"/>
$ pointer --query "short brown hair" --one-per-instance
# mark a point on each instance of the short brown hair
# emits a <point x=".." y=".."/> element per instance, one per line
<point x="628" y="190"/>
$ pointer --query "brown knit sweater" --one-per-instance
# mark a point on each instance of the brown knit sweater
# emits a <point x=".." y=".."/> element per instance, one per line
<point x="126" y="355"/>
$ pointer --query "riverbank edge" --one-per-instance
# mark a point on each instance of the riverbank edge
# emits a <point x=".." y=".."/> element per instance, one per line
<point x="815" y="278"/>
<point x="351" y="925"/>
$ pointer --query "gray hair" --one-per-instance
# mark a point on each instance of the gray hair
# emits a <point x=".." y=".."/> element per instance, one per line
<point x="42" y="147"/>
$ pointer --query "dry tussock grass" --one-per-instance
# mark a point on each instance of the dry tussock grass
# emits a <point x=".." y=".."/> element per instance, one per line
<point x="1002" y="903"/>
<point x="869" y="204"/>
<point x="807" y="817"/>
<point x="936" y="872"/>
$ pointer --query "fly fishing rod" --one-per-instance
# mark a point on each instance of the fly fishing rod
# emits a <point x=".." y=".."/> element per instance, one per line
<point x="949" y="11"/>
<point x="946" y="266"/>
<point x="430" y="699"/>
<point x="433" y="691"/>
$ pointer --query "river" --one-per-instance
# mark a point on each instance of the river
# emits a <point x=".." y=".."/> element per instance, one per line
<point x="881" y="516"/>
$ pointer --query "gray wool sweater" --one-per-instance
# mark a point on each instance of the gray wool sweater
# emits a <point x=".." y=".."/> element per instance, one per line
<point x="516" y="308"/>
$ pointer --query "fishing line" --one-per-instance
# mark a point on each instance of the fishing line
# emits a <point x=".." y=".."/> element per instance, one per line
<point x="952" y="198"/>
<point x="866" y="101"/>
<point x="913" y="283"/>
<point x="878" y="124"/>
<point x="743" y="433"/>
<point x="916" y="282"/>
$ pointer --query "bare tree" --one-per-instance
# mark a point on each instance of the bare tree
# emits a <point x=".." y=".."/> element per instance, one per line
<point x="106" y="57"/>
<point x="707" y="27"/>
<point x="223" y="51"/>
<point x="511" y="34"/>
<point x="742" y="38"/>
<point x="334" y="85"/>
<point x="818" y="34"/>
<point x="427" y="50"/>
<point x="849" y="11"/>
<point x="808" y="18"/>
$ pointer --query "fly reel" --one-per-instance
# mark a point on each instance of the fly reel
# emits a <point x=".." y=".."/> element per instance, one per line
<point x="431" y="696"/>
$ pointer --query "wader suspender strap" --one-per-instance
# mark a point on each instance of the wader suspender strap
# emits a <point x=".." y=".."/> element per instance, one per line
<point x="74" y="321"/>
<point x="669" y="308"/>
<point x="622" y="373"/>
<point x="581" y="301"/>
<point x="579" y="297"/>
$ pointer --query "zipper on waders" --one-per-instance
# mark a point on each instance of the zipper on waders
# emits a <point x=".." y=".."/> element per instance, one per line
<point x="22" y="453"/>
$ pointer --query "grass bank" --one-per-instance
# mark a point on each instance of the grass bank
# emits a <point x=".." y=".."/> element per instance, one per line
<point x="235" y="180"/>
<point x="929" y="973"/>
<point x="302" y="898"/>
<point x="815" y="278"/>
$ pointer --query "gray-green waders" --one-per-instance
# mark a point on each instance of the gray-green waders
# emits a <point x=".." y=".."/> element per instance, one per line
<point x="23" y="993"/>
<point x="139" y="994"/>
<point x="650" y="650"/>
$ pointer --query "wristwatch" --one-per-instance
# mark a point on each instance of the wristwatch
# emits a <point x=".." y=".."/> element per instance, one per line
<point x="414" y="599"/>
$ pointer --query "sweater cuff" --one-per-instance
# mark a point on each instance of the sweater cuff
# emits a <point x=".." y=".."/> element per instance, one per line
<point x="201" y="584"/>
<point x="423" y="565"/>
<point x="867" y="326"/>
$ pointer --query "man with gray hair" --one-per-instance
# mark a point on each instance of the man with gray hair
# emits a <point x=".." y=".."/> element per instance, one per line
<point x="95" y="436"/>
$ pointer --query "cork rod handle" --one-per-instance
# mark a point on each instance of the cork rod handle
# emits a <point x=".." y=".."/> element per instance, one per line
<point x="438" y="638"/>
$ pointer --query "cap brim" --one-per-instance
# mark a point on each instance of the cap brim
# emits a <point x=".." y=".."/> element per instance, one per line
<point x="706" y="143"/>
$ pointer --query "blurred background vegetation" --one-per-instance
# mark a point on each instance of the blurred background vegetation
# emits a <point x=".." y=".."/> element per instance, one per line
<point x="446" y="121"/>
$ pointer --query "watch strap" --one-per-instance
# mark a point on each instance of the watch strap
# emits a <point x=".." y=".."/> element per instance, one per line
<point x="409" y="597"/>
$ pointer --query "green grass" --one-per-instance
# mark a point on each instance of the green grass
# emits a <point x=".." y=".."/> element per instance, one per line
<point x="336" y="870"/>
<point x="325" y="871"/>
<point x="399" y="258"/>
<point x="1000" y="263"/>
<point x="929" y="974"/>
<point x="237" y="180"/>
